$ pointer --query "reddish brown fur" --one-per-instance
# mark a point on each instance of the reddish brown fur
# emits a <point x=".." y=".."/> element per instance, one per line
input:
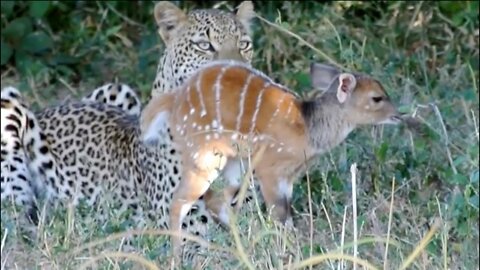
<point x="287" y="129"/>
<point x="280" y="124"/>
<point x="233" y="81"/>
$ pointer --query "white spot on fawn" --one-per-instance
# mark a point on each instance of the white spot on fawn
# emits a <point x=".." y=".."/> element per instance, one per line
<point x="214" y="124"/>
<point x="192" y="111"/>
<point x="289" y="109"/>
<point x="276" y="111"/>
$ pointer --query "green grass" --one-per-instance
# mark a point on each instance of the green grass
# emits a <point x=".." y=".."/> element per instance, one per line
<point x="425" y="54"/>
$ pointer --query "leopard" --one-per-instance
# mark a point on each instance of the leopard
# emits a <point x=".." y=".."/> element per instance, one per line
<point x="83" y="151"/>
<point x="120" y="95"/>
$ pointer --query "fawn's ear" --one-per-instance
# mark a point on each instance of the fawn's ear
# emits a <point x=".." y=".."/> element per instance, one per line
<point x="322" y="75"/>
<point x="169" y="18"/>
<point x="346" y="84"/>
<point x="245" y="13"/>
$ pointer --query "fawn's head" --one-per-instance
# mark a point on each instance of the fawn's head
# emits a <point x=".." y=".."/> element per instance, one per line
<point x="363" y="99"/>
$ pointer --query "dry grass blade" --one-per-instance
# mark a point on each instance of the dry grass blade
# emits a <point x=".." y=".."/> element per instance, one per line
<point x="421" y="246"/>
<point x="446" y="138"/>
<point x="265" y="234"/>
<point x="341" y="265"/>
<point x="118" y="255"/>
<point x="150" y="232"/>
<point x="368" y="240"/>
<point x="303" y="41"/>
<point x="390" y="215"/>
<point x="415" y="125"/>
<point x="4" y="239"/>
<point x="240" y="252"/>
<point x="310" y="212"/>
<point x="444" y="237"/>
<point x="353" y="171"/>
<point x="333" y="256"/>
<point x="248" y="176"/>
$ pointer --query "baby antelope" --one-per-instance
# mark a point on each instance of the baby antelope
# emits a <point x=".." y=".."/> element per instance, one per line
<point x="227" y="106"/>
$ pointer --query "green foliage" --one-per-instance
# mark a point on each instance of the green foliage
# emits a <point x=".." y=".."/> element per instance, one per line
<point x="22" y="39"/>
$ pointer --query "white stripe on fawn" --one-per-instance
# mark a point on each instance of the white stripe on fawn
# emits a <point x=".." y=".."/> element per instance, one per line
<point x="276" y="111"/>
<point x="189" y="98"/>
<point x="218" y="88"/>
<point x="200" y="96"/>
<point x="257" y="107"/>
<point x="289" y="109"/>
<point x="242" y="99"/>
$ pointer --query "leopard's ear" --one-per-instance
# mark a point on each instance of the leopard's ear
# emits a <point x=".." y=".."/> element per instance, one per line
<point x="245" y="14"/>
<point x="169" y="19"/>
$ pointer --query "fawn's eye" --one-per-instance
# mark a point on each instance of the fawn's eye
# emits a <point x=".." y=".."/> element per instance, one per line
<point x="377" y="99"/>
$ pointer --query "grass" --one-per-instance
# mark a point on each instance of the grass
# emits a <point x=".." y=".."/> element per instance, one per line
<point x="416" y="194"/>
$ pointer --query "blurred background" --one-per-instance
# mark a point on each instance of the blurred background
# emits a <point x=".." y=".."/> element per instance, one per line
<point x="92" y="42"/>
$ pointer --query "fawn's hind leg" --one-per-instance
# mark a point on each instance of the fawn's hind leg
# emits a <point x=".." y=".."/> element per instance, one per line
<point x="200" y="169"/>
<point x="233" y="174"/>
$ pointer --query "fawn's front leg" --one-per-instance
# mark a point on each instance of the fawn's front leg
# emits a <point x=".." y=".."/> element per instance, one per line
<point x="277" y="193"/>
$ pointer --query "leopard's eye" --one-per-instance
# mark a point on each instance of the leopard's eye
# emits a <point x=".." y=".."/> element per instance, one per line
<point x="244" y="45"/>
<point x="204" y="45"/>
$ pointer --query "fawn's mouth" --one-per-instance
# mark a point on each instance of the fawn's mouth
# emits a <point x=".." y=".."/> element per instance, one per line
<point x="393" y="120"/>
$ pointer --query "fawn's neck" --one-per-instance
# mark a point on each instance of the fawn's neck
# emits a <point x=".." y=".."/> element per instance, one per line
<point x="326" y="122"/>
